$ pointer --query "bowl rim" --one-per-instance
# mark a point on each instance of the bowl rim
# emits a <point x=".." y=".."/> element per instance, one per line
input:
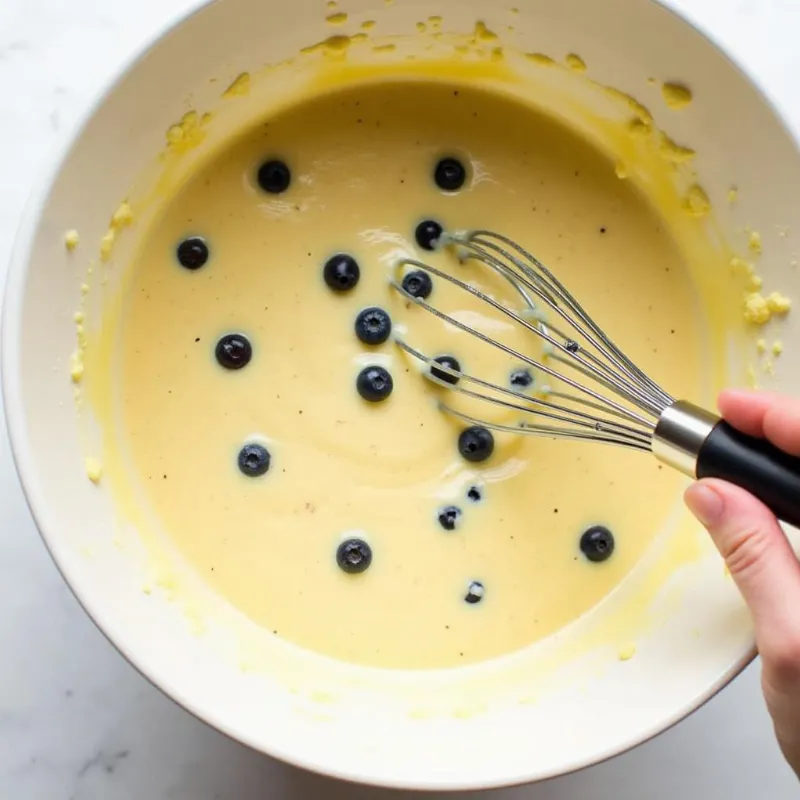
<point x="47" y="526"/>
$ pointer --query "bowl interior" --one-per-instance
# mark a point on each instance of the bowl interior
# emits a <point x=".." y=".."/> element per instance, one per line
<point x="577" y="703"/>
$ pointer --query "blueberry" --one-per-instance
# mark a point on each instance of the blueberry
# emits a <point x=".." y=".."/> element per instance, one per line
<point x="572" y="346"/>
<point x="476" y="443"/>
<point x="341" y="272"/>
<point x="234" y="351"/>
<point x="354" y="556"/>
<point x="373" y="325"/>
<point x="450" y="174"/>
<point x="192" y="253"/>
<point x="475" y="592"/>
<point x="254" y="460"/>
<point x="597" y="543"/>
<point x="448" y="517"/>
<point x="418" y="284"/>
<point x="446" y="361"/>
<point x="428" y="234"/>
<point x="475" y="494"/>
<point x="521" y="378"/>
<point x="274" y="176"/>
<point x="374" y="384"/>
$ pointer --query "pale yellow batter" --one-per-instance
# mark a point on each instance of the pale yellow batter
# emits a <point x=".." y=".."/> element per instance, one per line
<point x="362" y="162"/>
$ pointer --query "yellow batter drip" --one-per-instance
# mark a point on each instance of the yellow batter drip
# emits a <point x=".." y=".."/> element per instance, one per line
<point x="362" y="162"/>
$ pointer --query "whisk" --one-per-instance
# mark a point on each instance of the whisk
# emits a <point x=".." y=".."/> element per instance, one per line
<point x="597" y="394"/>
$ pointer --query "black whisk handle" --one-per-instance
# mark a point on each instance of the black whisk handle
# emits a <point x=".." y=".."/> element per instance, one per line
<point x="755" y="465"/>
<point x="702" y="445"/>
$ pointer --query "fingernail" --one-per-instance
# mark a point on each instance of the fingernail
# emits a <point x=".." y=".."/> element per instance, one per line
<point x="705" y="503"/>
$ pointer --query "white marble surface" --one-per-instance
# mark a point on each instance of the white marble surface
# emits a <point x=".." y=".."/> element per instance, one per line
<point x="76" y="722"/>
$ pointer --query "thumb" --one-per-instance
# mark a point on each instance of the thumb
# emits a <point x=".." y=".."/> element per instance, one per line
<point x="760" y="560"/>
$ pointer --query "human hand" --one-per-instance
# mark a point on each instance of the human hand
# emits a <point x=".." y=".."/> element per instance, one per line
<point x="760" y="559"/>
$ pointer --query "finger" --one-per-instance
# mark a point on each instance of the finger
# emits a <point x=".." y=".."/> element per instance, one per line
<point x="764" y="415"/>
<point x="745" y="410"/>
<point x="760" y="560"/>
<point x="782" y="424"/>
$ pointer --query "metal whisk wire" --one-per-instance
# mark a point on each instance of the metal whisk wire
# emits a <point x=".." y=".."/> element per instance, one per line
<point x="534" y="275"/>
<point x="586" y="414"/>
<point x="585" y="426"/>
<point x="617" y="404"/>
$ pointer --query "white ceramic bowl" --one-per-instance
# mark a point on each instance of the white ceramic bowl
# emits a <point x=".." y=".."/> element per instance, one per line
<point x="557" y="709"/>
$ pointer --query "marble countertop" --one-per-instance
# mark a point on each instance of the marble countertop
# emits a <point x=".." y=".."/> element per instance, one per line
<point x="76" y="721"/>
